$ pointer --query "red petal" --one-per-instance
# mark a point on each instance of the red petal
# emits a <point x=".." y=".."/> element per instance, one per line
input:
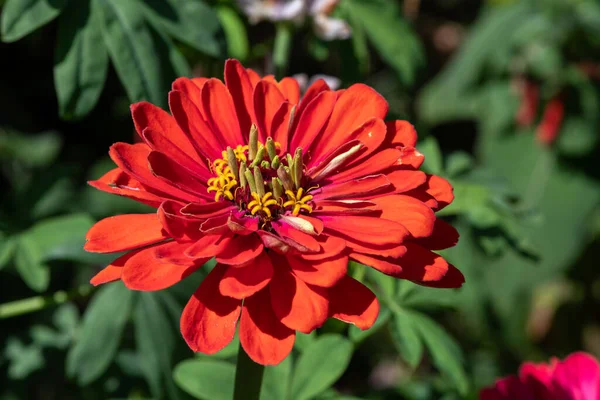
<point x="118" y="182"/>
<point x="243" y="282"/>
<point x="355" y="106"/>
<point x="157" y="141"/>
<point x="177" y="175"/>
<point x="378" y="162"/>
<point x="124" y="232"/>
<point x="331" y="246"/>
<point x="240" y="224"/>
<point x="253" y="76"/>
<point x="147" y="273"/>
<point x="174" y="253"/>
<point x="353" y="302"/>
<point x="299" y="240"/>
<point x="146" y="115"/>
<point x="290" y="90"/>
<point x="309" y="121"/>
<point x="274" y="242"/>
<point x="240" y="250"/>
<point x="218" y="105"/>
<point x="208" y="246"/>
<point x="392" y="250"/>
<point x="408" y="211"/>
<point x="441" y="190"/>
<point x="308" y="225"/>
<point x="410" y="158"/>
<point x="405" y="180"/>
<point x="266" y="340"/>
<point x="280" y="126"/>
<point x="191" y="89"/>
<point x="133" y="159"/>
<point x="387" y="265"/>
<point x="177" y="225"/>
<point x="267" y="100"/>
<point x="443" y="236"/>
<point x="325" y="273"/>
<point x="368" y="230"/>
<point x="208" y="210"/>
<point x="311" y="93"/>
<point x="241" y="89"/>
<point x="192" y="122"/>
<point x="353" y="189"/>
<point x="401" y="133"/>
<point x="298" y="305"/>
<point x="208" y="320"/>
<point x="371" y="134"/>
<point x="113" y="271"/>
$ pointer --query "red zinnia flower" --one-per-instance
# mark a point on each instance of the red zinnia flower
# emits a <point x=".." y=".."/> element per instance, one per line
<point x="283" y="193"/>
<point x="575" y="378"/>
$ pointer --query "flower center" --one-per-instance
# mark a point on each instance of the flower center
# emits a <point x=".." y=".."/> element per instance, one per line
<point x="260" y="180"/>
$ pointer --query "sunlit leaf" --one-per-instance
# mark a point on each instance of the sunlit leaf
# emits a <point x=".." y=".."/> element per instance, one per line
<point x="320" y="365"/>
<point x="206" y="379"/>
<point x="81" y="59"/>
<point x="100" y="335"/>
<point x="21" y="17"/>
<point x="235" y="32"/>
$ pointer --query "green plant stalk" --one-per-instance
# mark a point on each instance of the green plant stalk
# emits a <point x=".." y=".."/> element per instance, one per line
<point x="37" y="303"/>
<point x="248" y="377"/>
<point x="282" y="48"/>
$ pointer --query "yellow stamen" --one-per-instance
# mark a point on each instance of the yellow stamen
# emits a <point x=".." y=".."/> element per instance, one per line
<point x="262" y="204"/>
<point x="298" y="202"/>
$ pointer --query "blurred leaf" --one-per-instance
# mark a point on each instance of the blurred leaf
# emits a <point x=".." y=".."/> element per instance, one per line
<point x="545" y="61"/>
<point x="406" y="337"/>
<point x="235" y="32"/>
<point x="23" y="359"/>
<point x="130" y="363"/>
<point x="36" y="150"/>
<point x="21" y="17"/>
<point x="303" y="340"/>
<point x="577" y="137"/>
<point x="444" y="351"/>
<point x="81" y="59"/>
<point x="155" y="341"/>
<point x="206" y="379"/>
<point x="54" y="195"/>
<point x="357" y="335"/>
<point x="142" y="57"/>
<point x="7" y="249"/>
<point x="433" y="156"/>
<point x="276" y="381"/>
<point x="391" y="35"/>
<point x="28" y="261"/>
<point x="458" y="163"/>
<point x="100" y="335"/>
<point x="447" y="96"/>
<point x="191" y="21"/>
<point x="320" y="365"/>
<point x="44" y="336"/>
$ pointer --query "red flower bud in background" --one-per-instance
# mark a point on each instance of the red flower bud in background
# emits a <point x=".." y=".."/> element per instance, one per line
<point x="548" y="129"/>
<point x="527" y="111"/>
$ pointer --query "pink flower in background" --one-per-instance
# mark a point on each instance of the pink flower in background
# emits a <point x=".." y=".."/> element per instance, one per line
<point x="577" y="377"/>
<point x="326" y="27"/>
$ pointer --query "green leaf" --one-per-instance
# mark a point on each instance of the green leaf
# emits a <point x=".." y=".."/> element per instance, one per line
<point x="28" y="261"/>
<point x="7" y="249"/>
<point x="235" y="32"/>
<point x="35" y="150"/>
<point x="383" y="282"/>
<point x="206" y="379"/>
<point x="357" y="335"/>
<point x="392" y="36"/>
<point x="406" y="337"/>
<point x="276" y="381"/>
<point x="191" y="21"/>
<point x="320" y="365"/>
<point x="155" y="342"/>
<point x="444" y="351"/>
<point x="303" y="340"/>
<point x="434" y="162"/>
<point x="81" y="60"/>
<point x="142" y="57"/>
<point x="577" y="137"/>
<point x="458" y="163"/>
<point x="63" y="238"/>
<point x="21" y="17"/>
<point x="23" y="359"/>
<point x="102" y="327"/>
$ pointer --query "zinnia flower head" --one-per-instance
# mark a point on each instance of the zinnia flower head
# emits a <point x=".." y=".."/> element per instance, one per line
<point x="575" y="378"/>
<point x="283" y="192"/>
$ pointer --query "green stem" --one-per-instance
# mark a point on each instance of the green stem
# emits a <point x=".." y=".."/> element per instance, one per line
<point x="37" y="303"/>
<point x="282" y="48"/>
<point x="248" y="377"/>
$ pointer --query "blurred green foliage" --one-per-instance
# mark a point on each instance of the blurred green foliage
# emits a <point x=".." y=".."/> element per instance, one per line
<point x="526" y="206"/>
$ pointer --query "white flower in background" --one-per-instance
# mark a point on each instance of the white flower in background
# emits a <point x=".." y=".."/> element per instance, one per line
<point x="326" y="27"/>
<point x="304" y="83"/>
